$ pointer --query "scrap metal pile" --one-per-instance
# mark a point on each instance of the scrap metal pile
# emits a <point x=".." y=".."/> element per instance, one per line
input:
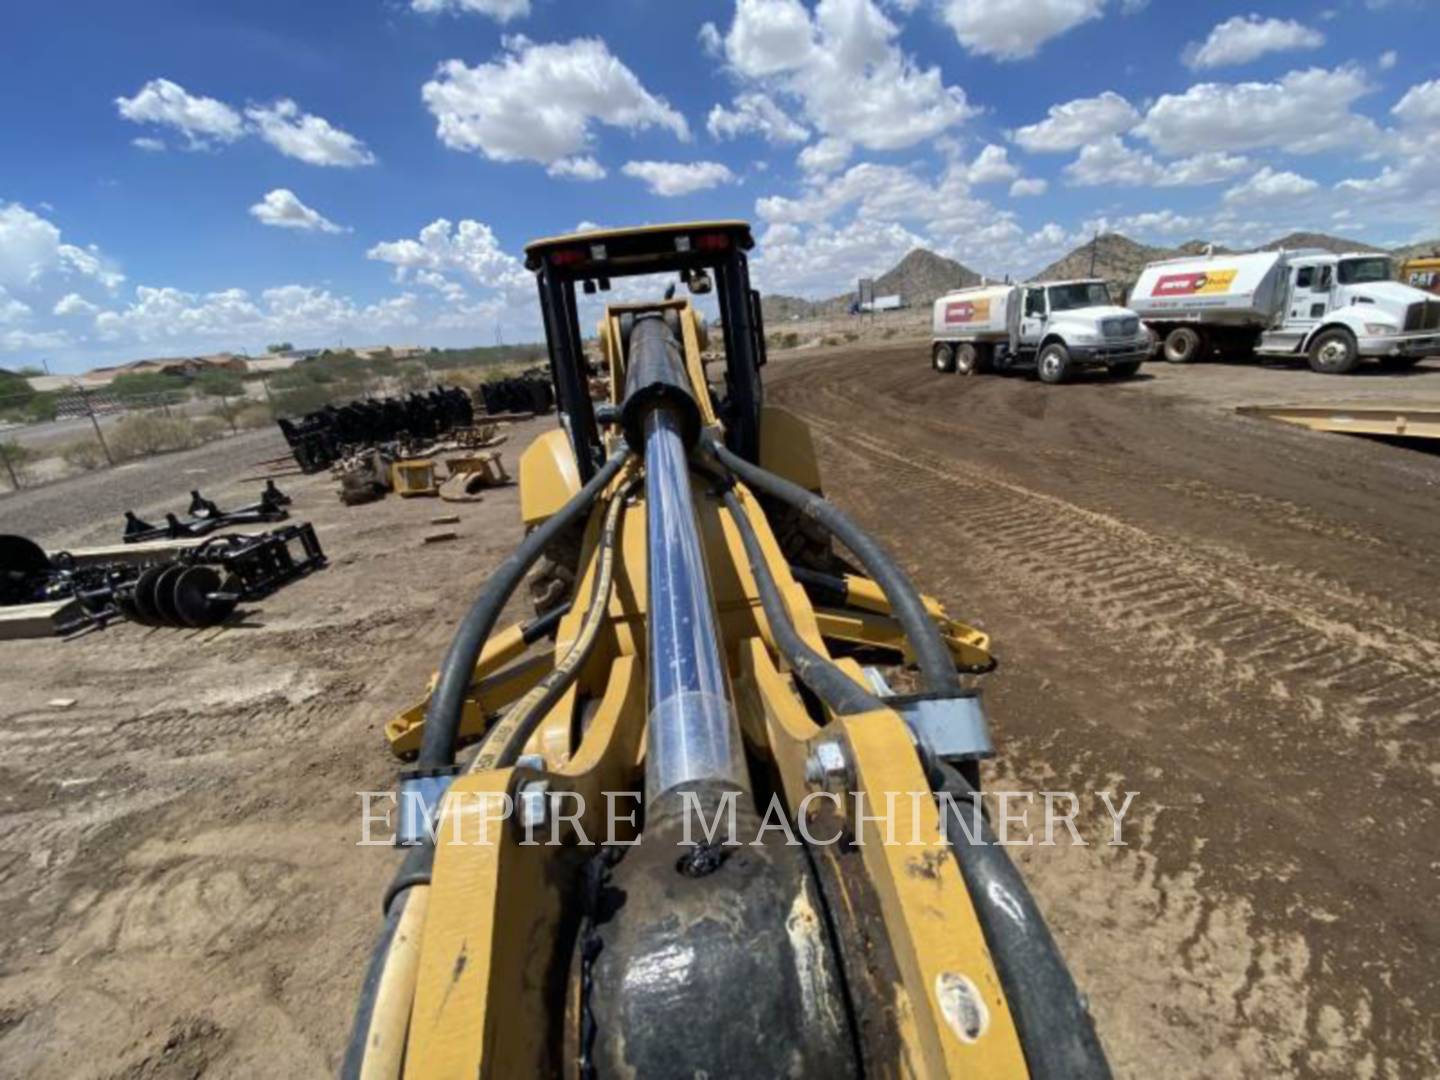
<point x="182" y="581"/>
<point x="468" y="457"/>
<point x="321" y="438"/>
<point x="529" y="392"/>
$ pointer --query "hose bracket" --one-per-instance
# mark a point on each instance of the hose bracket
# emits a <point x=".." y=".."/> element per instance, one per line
<point x="421" y="792"/>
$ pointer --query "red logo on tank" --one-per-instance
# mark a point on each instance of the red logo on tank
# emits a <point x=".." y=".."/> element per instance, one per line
<point x="1179" y="284"/>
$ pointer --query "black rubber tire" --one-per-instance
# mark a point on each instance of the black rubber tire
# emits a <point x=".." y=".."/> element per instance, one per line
<point x="1053" y="363"/>
<point x="967" y="360"/>
<point x="1399" y="363"/>
<point x="1334" y="352"/>
<point x="1127" y="370"/>
<point x="942" y="357"/>
<point x="1182" y="345"/>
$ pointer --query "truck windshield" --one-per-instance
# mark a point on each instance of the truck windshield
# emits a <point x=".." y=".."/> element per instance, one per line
<point x="1084" y="294"/>
<point x="1359" y="271"/>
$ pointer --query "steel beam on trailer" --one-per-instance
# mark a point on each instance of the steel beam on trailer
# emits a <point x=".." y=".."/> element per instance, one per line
<point x="1355" y="418"/>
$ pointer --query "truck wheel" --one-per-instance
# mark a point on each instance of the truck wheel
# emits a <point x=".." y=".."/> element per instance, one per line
<point x="1182" y="345"/>
<point x="943" y="357"/>
<point x="967" y="360"/>
<point x="1053" y="366"/>
<point x="1333" y="352"/>
<point x="1127" y="370"/>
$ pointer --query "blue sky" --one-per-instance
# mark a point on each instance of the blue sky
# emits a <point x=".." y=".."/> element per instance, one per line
<point x="178" y="177"/>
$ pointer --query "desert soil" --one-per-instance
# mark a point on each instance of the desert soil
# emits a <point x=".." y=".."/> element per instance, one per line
<point x="1237" y="621"/>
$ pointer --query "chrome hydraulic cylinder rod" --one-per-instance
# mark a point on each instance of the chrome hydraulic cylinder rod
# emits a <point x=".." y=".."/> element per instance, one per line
<point x="692" y="733"/>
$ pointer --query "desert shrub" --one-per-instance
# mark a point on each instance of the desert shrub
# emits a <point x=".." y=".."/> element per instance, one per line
<point x="146" y="433"/>
<point x="21" y="459"/>
<point x="250" y="417"/>
<point x="210" y="428"/>
<point x="301" y="400"/>
<point x="147" y="383"/>
<point x="414" y="378"/>
<point x="788" y="339"/>
<point x="83" y="454"/>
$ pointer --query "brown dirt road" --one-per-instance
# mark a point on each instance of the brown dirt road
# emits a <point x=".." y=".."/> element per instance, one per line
<point x="1237" y="621"/>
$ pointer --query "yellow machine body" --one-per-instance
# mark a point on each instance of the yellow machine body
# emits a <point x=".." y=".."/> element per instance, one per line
<point x="487" y="980"/>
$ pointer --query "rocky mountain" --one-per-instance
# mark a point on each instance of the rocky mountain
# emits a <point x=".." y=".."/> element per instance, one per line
<point x="921" y="276"/>
<point x="1110" y="256"/>
<point x="1336" y="244"/>
<point x="1426" y="249"/>
<point x="918" y="278"/>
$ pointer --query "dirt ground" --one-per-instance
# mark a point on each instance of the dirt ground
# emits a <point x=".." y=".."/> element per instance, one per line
<point x="180" y="890"/>
<point x="1237" y="621"/>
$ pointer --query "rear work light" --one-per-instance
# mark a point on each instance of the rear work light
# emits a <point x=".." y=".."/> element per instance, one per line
<point x="568" y="256"/>
<point x="712" y="242"/>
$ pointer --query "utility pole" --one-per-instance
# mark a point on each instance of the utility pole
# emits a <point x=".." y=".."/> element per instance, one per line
<point x="90" y="409"/>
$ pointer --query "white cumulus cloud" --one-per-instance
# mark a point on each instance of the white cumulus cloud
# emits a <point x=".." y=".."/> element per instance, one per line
<point x="73" y="304"/>
<point x="1268" y="185"/>
<point x="1027" y="187"/>
<point x="1109" y="162"/>
<point x="1420" y="106"/>
<point x="1015" y="29"/>
<point x="670" y="178"/>
<point x="844" y="67"/>
<point x="758" y="114"/>
<point x="469" y="248"/>
<point x="282" y="209"/>
<point x="581" y="167"/>
<point x="305" y="137"/>
<point x="1305" y="112"/>
<point x="992" y="166"/>
<point x="826" y="155"/>
<point x="202" y="120"/>
<point x="1243" y="38"/>
<point x="538" y="102"/>
<point x="499" y="10"/>
<point x="1071" y="125"/>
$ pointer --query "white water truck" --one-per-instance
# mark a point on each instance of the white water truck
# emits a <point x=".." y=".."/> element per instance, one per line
<point x="1333" y="310"/>
<point x="1053" y="328"/>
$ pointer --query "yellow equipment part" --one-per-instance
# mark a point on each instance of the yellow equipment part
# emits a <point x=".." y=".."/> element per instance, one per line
<point x="490" y="970"/>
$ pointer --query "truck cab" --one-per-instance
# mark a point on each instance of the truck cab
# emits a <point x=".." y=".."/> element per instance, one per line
<point x="1067" y="325"/>
<point x="1339" y="308"/>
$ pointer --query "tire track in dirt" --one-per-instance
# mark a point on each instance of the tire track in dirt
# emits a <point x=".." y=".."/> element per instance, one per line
<point x="1250" y="696"/>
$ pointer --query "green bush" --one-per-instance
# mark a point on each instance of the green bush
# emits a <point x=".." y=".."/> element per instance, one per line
<point x="301" y="400"/>
<point x="143" y="434"/>
<point x="83" y="454"/>
<point x="147" y="383"/>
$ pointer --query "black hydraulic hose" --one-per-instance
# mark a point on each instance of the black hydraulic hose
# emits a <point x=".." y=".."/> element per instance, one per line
<point x="831" y="685"/>
<point x="1056" y="1031"/>
<point x="508" y="736"/>
<point x="442" y="716"/>
<point x="354" y="1061"/>
<point x="936" y="664"/>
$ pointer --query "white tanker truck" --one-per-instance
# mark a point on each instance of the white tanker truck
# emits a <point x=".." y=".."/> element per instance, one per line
<point x="1053" y="328"/>
<point x="1333" y="310"/>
